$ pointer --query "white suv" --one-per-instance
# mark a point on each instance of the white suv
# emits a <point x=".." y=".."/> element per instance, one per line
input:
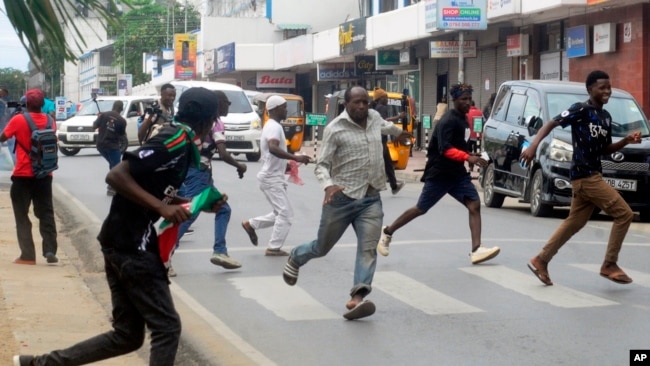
<point x="243" y="125"/>
<point x="78" y="133"/>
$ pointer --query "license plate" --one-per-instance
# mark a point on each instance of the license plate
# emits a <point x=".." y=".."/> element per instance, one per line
<point x="234" y="138"/>
<point x="78" y="137"/>
<point x="622" y="184"/>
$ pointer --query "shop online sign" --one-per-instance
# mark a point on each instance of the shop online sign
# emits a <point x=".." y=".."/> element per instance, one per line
<point x="462" y="15"/>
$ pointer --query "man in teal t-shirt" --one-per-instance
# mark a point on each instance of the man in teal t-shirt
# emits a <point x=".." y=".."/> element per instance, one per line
<point x="49" y="107"/>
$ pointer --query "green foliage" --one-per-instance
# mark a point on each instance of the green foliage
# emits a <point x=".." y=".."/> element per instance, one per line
<point x="26" y="16"/>
<point x="13" y="80"/>
<point x="148" y="29"/>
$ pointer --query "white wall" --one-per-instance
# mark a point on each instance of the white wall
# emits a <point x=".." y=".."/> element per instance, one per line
<point x="217" y="32"/>
<point x="319" y="14"/>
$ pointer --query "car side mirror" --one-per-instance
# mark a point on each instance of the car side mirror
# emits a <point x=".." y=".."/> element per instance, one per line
<point x="533" y="124"/>
<point x="132" y="114"/>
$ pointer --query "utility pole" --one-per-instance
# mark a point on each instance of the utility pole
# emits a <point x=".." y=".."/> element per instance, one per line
<point x="185" y="16"/>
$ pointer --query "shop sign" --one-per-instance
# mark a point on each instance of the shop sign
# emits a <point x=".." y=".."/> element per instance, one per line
<point x="499" y="8"/>
<point x="282" y="80"/>
<point x="335" y="71"/>
<point x="517" y="45"/>
<point x="352" y="36"/>
<point x="577" y="41"/>
<point x="366" y="66"/>
<point x="430" y="15"/>
<point x="387" y="59"/>
<point x="605" y="38"/>
<point x="450" y="49"/>
<point x="594" y="2"/>
<point x="225" y="61"/>
<point x="462" y="14"/>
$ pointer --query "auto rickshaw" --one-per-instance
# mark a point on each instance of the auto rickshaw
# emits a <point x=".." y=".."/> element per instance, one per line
<point x="400" y="150"/>
<point x="294" y="124"/>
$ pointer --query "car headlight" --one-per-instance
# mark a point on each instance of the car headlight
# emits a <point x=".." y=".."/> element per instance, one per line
<point x="561" y="151"/>
<point x="256" y="124"/>
<point x="63" y="128"/>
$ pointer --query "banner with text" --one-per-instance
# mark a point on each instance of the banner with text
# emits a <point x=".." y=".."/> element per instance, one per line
<point x="185" y="56"/>
<point x="450" y="49"/>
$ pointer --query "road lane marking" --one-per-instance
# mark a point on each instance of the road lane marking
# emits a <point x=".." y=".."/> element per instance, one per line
<point x="640" y="278"/>
<point x="220" y="327"/>
<point x="287" y="302"/>
<point x="526" y="284"/>
<point x="419" y="295"/>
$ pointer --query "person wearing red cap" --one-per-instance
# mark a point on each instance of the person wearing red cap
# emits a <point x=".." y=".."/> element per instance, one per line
<point x="146" y="182"/>
<point x="26" y="189"/>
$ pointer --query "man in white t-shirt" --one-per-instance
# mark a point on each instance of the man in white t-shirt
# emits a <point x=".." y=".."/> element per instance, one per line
<point x="272" y="179"/>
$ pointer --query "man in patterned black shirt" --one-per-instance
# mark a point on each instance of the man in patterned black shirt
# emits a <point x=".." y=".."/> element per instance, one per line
<point x="591" y="133"/>
<point x="146" y="182"/>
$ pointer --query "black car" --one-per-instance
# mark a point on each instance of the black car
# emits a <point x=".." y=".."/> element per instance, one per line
<point x="520" y="109"/>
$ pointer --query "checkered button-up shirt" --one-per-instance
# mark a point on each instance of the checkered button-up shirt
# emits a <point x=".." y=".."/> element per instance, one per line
<point x="352" y="156"/>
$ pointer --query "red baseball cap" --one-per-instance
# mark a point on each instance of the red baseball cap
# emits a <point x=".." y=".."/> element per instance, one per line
<point x="35" y="98"/>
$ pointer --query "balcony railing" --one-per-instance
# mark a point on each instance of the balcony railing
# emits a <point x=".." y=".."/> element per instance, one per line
<point x="109" y="70"/>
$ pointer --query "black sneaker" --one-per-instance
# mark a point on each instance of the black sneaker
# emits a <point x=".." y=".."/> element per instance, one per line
<point x="189" y="231"/>
<point x="24" y="360"/>
<point x="51" y="258"/>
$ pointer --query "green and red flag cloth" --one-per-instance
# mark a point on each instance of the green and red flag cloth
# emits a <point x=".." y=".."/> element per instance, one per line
<point x="168" y="232"/>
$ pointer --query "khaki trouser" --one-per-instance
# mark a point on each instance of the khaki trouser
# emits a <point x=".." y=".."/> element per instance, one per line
<point x="588" y="193"/>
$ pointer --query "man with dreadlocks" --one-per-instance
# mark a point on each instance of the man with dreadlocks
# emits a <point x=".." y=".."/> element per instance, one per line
<point x="445" y="173"/>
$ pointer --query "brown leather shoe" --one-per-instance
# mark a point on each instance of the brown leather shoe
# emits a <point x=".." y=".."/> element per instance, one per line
<point x="275" y="253"/>
<point x="24" y="261"/>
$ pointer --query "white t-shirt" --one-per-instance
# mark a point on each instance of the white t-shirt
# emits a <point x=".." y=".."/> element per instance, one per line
<point x="272" y="165"/>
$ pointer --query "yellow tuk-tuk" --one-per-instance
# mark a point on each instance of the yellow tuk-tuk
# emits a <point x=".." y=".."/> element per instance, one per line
<point x="400" y="151"/>
<point x="294" y="124"/>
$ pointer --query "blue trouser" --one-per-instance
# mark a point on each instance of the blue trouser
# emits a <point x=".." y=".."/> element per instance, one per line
<point x="195" y="182"/>
<point x="141" y="297"/>
<point x="113" y="156"/>
<point x="366" y="216"/>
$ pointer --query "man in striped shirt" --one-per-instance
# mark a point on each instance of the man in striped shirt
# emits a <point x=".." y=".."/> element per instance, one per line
<point x="350" y="168"/>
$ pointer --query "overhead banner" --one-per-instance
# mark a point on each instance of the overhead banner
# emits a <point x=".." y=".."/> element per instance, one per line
<point x="367" y="66"/>
<point x="462" y="14"/>
<point x="185" y="56"/>
<point x="124" y="84"/>
<point x="451" y="49"/>
<point x="352" y="36"/>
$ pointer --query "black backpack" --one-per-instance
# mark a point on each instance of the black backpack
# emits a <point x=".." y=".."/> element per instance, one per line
<point x="44" y="153"/>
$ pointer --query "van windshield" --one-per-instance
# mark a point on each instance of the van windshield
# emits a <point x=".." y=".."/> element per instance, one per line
<point x="238" y="101"/>
<point x="89" y="108"/>
<point x="627" y="117"/>
<point x="294" y="108"/>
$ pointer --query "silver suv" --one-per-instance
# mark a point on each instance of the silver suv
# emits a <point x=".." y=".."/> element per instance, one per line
<point x="520" y="109"/>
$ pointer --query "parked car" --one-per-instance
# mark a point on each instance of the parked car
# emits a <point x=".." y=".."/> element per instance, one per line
<point x="243" y="126"/>
<point x="77" y="133"/>
<point x="520" y="109"/>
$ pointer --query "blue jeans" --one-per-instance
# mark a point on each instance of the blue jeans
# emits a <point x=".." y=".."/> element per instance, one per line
<point x="113" y="156"/>
<point x="195" y="182"/>
<point x="366" y="216"/>
<point x="141" y="297"/>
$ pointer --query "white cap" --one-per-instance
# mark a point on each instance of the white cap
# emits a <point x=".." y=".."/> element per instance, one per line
<point x="328" y="95"/>
<point x="274" y="101"/>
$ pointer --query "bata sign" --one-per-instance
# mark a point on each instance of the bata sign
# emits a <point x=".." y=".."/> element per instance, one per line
<point x="284" y="80"/>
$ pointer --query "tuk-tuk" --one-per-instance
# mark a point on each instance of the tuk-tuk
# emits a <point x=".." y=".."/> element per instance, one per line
<point x="400" y="151"/>
<point x="294" y="124"/>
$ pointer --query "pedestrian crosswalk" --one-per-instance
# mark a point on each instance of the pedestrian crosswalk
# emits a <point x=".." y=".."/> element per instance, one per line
<point x="300" y="304"/>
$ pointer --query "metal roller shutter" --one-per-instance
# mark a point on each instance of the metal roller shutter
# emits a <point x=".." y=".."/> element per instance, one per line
<point x="473" y="76"/>
<point x="429" y="80"/>
<point x="488" y="71"/>
<point x="504" y="66"/>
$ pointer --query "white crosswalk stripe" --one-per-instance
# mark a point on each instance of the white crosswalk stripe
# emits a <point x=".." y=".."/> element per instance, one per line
<point x="288" y="302"/>
<point x="640" y="278"/>
<point x="418" y="295"/>
<point x="526" y="284"/>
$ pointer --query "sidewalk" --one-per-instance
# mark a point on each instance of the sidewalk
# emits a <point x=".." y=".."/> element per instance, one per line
<point x="46" y="307"/>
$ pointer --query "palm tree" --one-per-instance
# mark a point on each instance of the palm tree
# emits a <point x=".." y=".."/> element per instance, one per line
<point x="40" y="24"/>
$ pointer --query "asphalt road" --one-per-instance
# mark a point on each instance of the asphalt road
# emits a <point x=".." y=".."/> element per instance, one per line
<point x="433" y="306"/>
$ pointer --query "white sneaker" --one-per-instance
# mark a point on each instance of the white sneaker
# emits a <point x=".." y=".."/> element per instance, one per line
<point x="171" y="272"/>
<point x="384" y="242"/>
<point x="223" y="260"/>
<point x="483" y="254"/>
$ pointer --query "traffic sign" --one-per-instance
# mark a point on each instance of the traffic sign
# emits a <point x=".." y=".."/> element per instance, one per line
<point x="316" y="119"/>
